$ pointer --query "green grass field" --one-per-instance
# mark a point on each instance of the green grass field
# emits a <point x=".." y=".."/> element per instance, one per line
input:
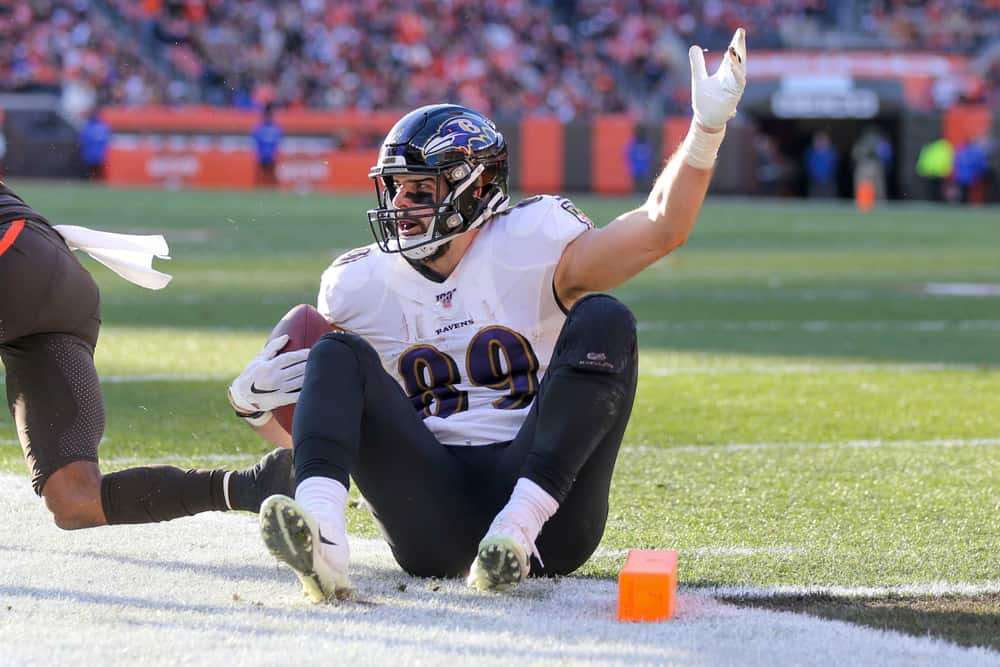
<point x="808" y="413"/>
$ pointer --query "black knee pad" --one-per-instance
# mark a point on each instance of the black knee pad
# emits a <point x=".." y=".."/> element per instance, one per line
<point x="55" y="398"/>
<point x="339" y="367"/>
<point x="327" y="350"/>
<point x="599" y="336"/>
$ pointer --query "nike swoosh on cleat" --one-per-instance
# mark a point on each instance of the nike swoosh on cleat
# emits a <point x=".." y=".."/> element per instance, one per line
<point x="255" y="390"/>
<point x="323" y="539"/>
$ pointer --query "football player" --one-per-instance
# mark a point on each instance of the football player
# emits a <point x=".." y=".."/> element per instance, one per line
<point x="49" y="324"/>
<point x="482" y="393"/>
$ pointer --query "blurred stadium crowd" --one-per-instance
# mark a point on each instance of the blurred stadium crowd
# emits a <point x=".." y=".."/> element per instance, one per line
<point x="571" y="58"/>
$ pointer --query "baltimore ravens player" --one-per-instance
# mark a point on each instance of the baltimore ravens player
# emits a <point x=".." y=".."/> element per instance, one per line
<point x="49" y="324"/>
<point x="482" y="393"/>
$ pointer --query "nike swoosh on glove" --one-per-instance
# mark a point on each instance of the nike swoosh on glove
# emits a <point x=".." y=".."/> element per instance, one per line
<point x="714" y="98"/>
<point x="270" y="380"/>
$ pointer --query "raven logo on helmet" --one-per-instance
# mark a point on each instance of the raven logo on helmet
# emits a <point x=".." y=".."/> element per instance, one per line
<point x="460" y="134"/>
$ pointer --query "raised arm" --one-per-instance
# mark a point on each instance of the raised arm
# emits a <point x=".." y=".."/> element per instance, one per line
<point x="604" y="258"/>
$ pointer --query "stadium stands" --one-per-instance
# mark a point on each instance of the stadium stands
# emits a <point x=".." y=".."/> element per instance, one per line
<point x="66" y="47"/>
<point x="570" y="58"/>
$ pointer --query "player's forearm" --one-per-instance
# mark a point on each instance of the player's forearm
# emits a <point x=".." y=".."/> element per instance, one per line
<point x="271" y="431"/>
<point x="677" y="195"/>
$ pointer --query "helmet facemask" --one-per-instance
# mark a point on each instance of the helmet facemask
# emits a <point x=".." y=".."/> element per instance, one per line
<point x="470" y="179"/>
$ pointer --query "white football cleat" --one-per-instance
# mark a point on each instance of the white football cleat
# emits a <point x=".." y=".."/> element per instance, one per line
<point x="504" y="557"/>
<point x="294" y="538"/>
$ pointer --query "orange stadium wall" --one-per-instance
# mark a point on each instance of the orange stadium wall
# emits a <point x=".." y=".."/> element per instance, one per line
<point x="211" y="148"/>
<point x="609" y="173"/>
<point x="539" y="161"/>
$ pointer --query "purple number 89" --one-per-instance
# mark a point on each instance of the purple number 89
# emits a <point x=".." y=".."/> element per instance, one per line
<point x="497" y="357"/>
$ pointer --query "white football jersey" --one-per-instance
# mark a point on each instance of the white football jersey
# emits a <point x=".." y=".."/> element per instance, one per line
<point x="469" y="351"/>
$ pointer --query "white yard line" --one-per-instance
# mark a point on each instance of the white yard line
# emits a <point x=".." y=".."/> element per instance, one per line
<point x="239" y="459"/>
<point x="216" y="459"/>
<point x="661" y="371"/>
<point x="860" y="444"/>
<point x="166" y="377"/>
<point x="962" y="289"/>
<point x="931" y="589"/>
<point x="821" y="326"/>
<point x="157" y="377"/>
<point x="715" y="551"/>
<point x="632" y="449"/>
<point x="792" y="369"/>
<point x="204" y="591"/>
<point x="771" y="293"/>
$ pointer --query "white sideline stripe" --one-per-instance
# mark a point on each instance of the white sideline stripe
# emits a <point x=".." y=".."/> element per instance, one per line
<point x="936" y="589"/>
<point x="859" y="444"/>
<point x="123" y="591"/>
<point x="782" y="369"/>
<point x="821" y="326"/>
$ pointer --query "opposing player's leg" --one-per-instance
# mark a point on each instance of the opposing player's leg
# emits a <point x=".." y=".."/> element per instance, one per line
<point x="564" y="454"/>
<point x="51" y="386"/>
<point x="54" y="395"/>
<point x="49" y="326"/>
<point x="352" y="419"/>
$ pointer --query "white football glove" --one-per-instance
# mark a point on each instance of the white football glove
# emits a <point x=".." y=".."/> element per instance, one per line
<point x="714" y="98"/>
<point x="270" y="380"/>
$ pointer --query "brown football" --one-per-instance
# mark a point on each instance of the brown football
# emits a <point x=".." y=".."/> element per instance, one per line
<point x="304" y="326"/>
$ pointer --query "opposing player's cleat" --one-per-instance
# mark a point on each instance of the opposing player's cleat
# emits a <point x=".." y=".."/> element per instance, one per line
<point x="503" y="559"/>
<point x="293" y="537"/>
<point x="273" y="474"/>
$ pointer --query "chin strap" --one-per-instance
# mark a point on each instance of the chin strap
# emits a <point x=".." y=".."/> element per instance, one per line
<point x="496" y="201"/>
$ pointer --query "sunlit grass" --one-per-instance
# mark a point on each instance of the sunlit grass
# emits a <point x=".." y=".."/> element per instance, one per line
<point x="794" y="325"/>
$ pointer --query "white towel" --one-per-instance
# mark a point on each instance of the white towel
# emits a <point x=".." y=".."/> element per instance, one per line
<point x="128" y="255"/>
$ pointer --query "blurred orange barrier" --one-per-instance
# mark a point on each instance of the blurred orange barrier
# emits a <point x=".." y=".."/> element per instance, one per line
<point x="609" y="171"/>
<point x="864" y="195"/>
<point x="647" y="586"/>
<point x="329" y="170"/>
<point x="964" y="123"/>
<point x="540" y="155"/>
<point x="674" y="131"/>
<point x="207" y="164"/>
<point x="179" y="165"/>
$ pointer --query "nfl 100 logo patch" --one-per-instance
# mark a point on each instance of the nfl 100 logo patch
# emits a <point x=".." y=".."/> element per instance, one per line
<point x="444" y="299"/>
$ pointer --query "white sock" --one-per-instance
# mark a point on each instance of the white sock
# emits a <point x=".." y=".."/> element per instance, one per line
<point x="326" y="500"/>
<point x="530" y="506"/>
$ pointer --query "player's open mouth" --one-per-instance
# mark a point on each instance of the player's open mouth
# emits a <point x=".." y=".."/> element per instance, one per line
<point x="409" y="227"/>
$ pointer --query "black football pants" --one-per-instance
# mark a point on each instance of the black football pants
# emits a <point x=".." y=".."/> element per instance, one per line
<point x="49" y="323"/>
<point x="434" y="502"/>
